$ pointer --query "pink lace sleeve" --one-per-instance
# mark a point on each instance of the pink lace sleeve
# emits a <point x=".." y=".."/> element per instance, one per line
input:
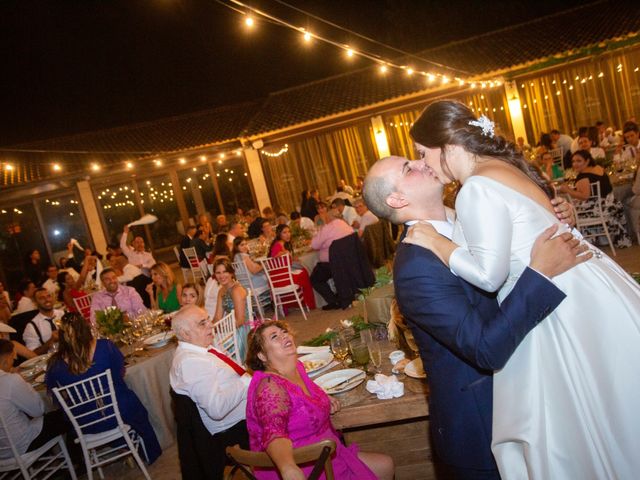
<point x="272" y="407"/>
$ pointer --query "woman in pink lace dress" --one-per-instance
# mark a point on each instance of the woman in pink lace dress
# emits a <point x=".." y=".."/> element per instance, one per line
<point x="287" y="410"/>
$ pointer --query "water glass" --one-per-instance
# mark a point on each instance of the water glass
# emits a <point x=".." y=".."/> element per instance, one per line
<point x="359" y="352"/>
<point x="366" y="336"/>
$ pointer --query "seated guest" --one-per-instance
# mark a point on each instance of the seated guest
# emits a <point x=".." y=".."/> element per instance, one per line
<point x="205" y="225"/>
<point x="26" y="302"/>
<point x="81" y="356"/>
<point x="282" y="246"/>
<point x="201" y="244"/>
<point x="167" y="291"/>
<point x="235" y="230"/>
<point x="5" y="333"/>
<point x="335" y="229"/>
<point x="136" y="253"/>
<point x="287" y="410"/>
<point x="126" y="272"/>
<point x="40" y="333"/>
<point x="365" y="217"/>
<point x="191" y="295"/>
<point x="187" y="242"/>
<point x="321" y="217"/>
<point x="220" y="247"/>
<point x="255" y="226"/>
<point x="588" y="172"/>
<point x="115" y="295"/>
<point x="348" y="213"/>
<point x="304" y="223"/>
<point x="33" y="267"/>
<point x="23" y="410"/>
<point x="221" y="225"/>
<point x="266" y="232"/>
<point x="232" y="297"/>
<point x="241" y="254"/>
<point x="214" y="382"/>
<point x="51" y="283"/>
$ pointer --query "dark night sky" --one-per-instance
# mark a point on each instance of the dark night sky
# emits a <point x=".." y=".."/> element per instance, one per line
<point x="70" y="66"/>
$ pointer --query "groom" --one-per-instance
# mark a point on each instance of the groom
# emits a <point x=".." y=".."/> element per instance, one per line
<point x="462" y="333"/>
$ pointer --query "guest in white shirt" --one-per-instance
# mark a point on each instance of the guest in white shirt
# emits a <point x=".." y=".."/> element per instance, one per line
<point x="51" y="284"/>
<point x="629" y="153"/>
<point x="214" y="382"/>
<point x="125" y="271"/>
<point x="305" y="223"/>
<point x="23" y="409"/>
<point x="41" y="333"/>
<point x="561" y="140"/>
<point x="365" y="218"/>
<point x="26" y="303"/>
<point x="135" y="253"/>
<point x="348" y="213"/>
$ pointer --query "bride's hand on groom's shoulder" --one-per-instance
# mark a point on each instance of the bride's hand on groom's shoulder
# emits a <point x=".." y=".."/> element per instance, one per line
<point x="552" y="256"/>
<point x="424" y="235"/>
<point x="564" y="211"/>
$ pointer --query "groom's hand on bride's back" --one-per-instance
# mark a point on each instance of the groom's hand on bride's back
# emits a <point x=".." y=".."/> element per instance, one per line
<point x="552" y="256"/>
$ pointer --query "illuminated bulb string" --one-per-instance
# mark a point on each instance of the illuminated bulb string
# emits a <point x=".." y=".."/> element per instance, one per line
<point x="280" y="152"/>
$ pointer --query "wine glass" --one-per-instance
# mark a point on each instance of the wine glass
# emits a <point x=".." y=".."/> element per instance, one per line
<point x="340" y="348"/>
<point x="375" y="355"/>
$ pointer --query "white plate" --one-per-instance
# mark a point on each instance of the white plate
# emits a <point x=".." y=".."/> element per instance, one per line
<point x="315" y="361"/>
<point x="304" y="350"/>
<point x="331" y="379"/>
<point x="415" y="369"/>
<point x="34" y="361"/>
<point x="159" y="340"/>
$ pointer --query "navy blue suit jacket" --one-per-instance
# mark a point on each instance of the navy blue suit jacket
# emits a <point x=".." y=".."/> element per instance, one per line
<point x="463" y="336"/>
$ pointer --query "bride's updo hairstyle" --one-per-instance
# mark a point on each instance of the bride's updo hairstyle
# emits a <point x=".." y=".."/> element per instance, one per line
<point x="446" y="122"/>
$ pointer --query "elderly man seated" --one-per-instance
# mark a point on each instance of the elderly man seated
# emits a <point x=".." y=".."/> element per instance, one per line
<point x="115" y="295"/>
<point x="136" y="253"/>
<point x="40" y="332"/>
<point x="214" y="382"/>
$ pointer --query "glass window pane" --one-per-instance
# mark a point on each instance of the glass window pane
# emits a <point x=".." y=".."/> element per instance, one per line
<point x="62" y="221"/>
<point x="198" y="192"/>
<point x="156" y="196"/>
<point x="233" y="182"/>
<point x="19" y="235"/>
<point x="118" y="206"/>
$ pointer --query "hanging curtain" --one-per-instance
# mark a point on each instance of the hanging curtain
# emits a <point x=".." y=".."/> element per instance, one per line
<point x="603" y="88"/>
<point x="319" y="161"/>
<point x="491" y="102"/>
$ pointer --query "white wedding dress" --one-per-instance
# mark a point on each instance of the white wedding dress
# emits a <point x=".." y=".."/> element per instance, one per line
<point x="567" y="403"/>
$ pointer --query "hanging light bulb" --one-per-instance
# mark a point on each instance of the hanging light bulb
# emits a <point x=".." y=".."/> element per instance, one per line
<point x="249" y="21"/>
<point x="383" y="68"/>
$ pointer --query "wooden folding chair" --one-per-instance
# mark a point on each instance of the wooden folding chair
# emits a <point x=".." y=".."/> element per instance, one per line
<point x="319" y="452"/>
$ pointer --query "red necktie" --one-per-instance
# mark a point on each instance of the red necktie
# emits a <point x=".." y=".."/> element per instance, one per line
<point x="236" y="368"/>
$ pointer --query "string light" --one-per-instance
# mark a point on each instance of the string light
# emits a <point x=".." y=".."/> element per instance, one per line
<point x="129" y="165"/>
<point x="182" y="161"/>
<point x="383" y="68"/>
<point x="95" y="167"/>
<point x="249" y="22"/>
<point x="280" y="152"/>
<point x="350" y="52"/>
<point x="56" y="167"/>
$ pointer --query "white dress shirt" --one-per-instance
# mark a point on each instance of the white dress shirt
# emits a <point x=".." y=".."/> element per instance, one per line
<point x="443" y="227"/>
<point x="367" y="219"/>
<point x="349" y="214"/>
<point x="17" y="400"/>
<point x="129" y="272"/>
<point x="25" y="305"/>
<point x="137" y="258"/>
<point x="30" y="337"/>
<point x="218" y="391"/>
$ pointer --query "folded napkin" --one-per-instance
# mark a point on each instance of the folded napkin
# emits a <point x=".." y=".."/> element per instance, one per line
<point x="385" y="387"/>
<point x="303" y="350"/>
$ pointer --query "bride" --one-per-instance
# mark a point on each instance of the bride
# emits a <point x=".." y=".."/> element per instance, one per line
<point x="566" y="403"/>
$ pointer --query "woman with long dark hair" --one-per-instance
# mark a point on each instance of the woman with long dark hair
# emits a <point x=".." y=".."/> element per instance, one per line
<point x="81" y="356"/>
<point x="565" y="404"/>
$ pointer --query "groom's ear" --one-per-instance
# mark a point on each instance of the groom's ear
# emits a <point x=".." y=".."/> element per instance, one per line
<point x="396" y="200"/>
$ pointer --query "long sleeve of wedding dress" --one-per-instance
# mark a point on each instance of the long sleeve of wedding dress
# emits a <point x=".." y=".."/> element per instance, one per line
<point x="487" y="224"/>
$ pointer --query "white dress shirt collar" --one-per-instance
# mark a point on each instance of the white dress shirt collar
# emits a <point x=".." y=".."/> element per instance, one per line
<point x="443" y="227"/>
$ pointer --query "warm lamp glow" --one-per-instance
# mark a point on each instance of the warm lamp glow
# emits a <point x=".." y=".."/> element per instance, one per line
<point x="307" y="37"/>
<point x="249" y="22"/>
<point x="383" y="69"/>
<point x="95" y="167"/>
<point x="182" y="161"/>
<point x="129" y="165"/>
<point x="350" y="52"/>
<point x="8" y="167"/>
<point x="57" y="167"/>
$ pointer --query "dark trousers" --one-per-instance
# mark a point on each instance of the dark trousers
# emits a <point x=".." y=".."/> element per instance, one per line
<point x="53" y="424"/>
<point x="319" y="280"/>
<point x="236" y="435"/>
<point x="450" y="472"/>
